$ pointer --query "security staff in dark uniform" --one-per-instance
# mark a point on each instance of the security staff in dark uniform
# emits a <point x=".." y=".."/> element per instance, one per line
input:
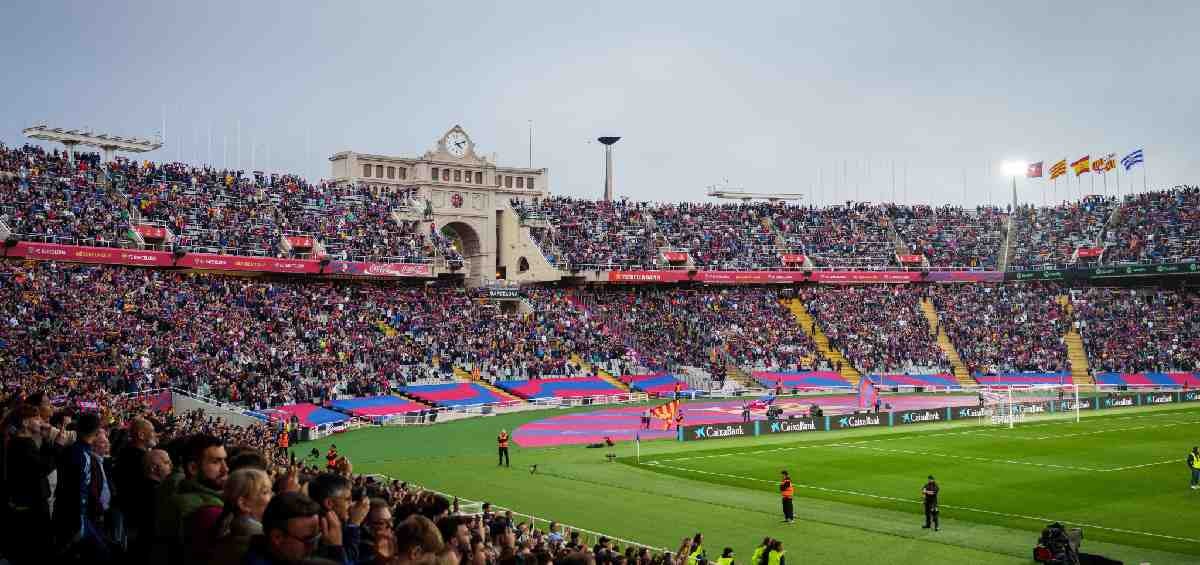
<point x="930" y="491"/>
<point x="786" y="491"/>
<point x="746" y="413"/>
<point x="502" y="443"/>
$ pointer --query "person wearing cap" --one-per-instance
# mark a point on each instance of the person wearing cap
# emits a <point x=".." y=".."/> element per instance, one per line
<point x="930" y="491"/>
<point x="726" y="557"/>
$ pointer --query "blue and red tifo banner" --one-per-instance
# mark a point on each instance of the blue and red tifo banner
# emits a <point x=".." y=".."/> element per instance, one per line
<point x="559" y="388"/>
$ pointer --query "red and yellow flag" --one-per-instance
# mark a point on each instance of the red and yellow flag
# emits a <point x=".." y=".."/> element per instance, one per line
<point x="1083" y="165"/>
<point x="667" y="412"/>
<point x="1058" y="169"/>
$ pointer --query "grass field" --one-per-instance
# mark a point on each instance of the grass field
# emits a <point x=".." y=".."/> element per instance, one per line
<point x="1120" y="475"/>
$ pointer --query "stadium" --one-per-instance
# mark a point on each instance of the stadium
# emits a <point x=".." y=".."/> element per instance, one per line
<point x="435" y="355"/>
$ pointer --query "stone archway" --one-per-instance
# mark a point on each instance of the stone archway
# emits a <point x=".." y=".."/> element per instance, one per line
<point x="466" y="240"/>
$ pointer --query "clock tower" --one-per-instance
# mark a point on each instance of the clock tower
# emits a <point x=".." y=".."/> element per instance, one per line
<point x="461" y="199"/>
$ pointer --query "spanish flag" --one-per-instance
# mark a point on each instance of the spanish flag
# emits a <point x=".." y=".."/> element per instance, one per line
<point x="1058" y="169"/>
<point x="666" y="412"/>
<point x="1083" y="165"/>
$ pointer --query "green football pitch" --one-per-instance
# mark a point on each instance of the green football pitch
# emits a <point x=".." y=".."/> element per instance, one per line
<point x="1119" y="475"/>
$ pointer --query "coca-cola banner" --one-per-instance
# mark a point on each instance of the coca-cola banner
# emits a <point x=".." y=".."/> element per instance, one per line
<point x="367" y="269"/>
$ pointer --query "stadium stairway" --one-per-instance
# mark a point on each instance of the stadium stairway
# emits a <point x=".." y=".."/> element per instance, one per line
<point x="462" y="375"/>
<point x="601" y="373"/>
<point x="960" y="369"/>
<point x="832" y="355"/>
<point x="1076" y="354"/>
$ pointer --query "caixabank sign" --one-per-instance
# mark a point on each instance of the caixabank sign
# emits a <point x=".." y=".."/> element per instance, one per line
<point x="918" y="416"/>
<point x="1151" y="398"/>
<point x="1119" y="400"/>
<point x="1069" y="405"/>
<point x="850" y="421"/>
<point x="964" y="412"/>
<point x="792" y="426"/>
<point x="717" y="431"/>
<point x="1189" y="396"/>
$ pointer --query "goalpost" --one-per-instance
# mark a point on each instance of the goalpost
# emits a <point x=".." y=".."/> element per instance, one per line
<point x="1012" y="404"/>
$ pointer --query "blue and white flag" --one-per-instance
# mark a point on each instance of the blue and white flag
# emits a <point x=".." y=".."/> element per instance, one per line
<point x="1132" y="159"/>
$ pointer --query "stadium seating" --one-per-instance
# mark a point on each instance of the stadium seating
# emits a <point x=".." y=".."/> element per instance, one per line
<point x="377" y="406"/>
<point x="808" y="380"/>
<point x="1049" y="236"/>
<point x="309" y="414"/>
<point x="879" y="328"/>
<point x="1154" y="227"/>
<point x="1150" y="379"/>
<point x="931" y="381"/>
<point x="1132" y="331"/>
<point x="453" y="395"/>
<point x="658" y="383"/>
<point x="1019" y="379"/>
<point x="949" y="236"/>
<point x="559" y="388"/>
<point x="1009" y="328"/>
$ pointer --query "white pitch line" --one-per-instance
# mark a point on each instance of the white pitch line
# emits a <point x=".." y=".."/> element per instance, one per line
<point x="975" y="459"/>
<point x="1041" y="519"/>
<point x="1126" y="468"/>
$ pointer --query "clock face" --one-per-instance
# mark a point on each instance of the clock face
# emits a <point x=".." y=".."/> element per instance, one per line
<point x="456" y="144"/>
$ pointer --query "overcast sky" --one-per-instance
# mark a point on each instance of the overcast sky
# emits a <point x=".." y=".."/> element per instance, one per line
<point x="815" y="98"/>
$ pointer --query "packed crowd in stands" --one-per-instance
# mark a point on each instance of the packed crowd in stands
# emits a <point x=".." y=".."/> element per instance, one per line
<point x="879" y="328"/>
<point x="1005" y="328"/>
<point x="950" y="236"/>
<point x="666" y="328"/>
<point x="220" y="211"/>
<point x="1155" y="227"/>
<point x="1135" y="330"/>
<point x="43" y="196"/>
<point x="1049" y="236"/>
<point x="118" y="482"/>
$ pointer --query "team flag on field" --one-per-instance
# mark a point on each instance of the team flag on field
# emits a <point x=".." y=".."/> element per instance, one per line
<point x="667" y="412"/>
<point x="1132" y="159"/>
<point x="1034" y="171"/>
<point x="866" y="394"/>
<point x="1083" y="165"/>
<point x="1058" y="169"/>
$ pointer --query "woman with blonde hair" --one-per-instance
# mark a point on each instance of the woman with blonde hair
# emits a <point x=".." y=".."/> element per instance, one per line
<point x="247" y="492"/>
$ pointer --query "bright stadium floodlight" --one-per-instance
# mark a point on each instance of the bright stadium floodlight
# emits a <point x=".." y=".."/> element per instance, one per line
<point x="1014" y="168"/>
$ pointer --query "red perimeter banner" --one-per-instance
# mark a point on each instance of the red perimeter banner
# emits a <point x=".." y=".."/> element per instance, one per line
<point x="113" y="256"/>
<point x="300" y="241"/>
<point x="675" y="256"/>
<point x="792" y="258"/>
<point x="151" y="232"/>
<point x="757" y="277"/>
<point x="1091" y="251"/>
<point x="911" y="258"/>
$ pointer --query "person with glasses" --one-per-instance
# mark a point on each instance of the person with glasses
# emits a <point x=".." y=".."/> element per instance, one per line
<point x="293" y="529"/>
<point x="336" y="496"/>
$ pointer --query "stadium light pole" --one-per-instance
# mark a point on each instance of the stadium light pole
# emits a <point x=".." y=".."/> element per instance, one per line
<point x="608" y="142"/>
<point x="1014" y="169"/>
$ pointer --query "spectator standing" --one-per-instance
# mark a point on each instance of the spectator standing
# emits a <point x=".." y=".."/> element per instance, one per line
<point x="292" y="530"/>
<point x="247" y="494"/>
<point x="198" y="502"/>
<point x="333" y="493"/>
<point x="77" y="508"/>
<point x="29" y="458"/>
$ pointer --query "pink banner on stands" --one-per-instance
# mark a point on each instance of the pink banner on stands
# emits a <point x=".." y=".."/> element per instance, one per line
<point x="675" y="256"/>
<point x="749" y="277"/>
<point x="238" y="263"/>
<point x="851" y="277"/>
<point x="109" y="255"/>
<point x="647" y="276"/>
<point x="114" y="256"/>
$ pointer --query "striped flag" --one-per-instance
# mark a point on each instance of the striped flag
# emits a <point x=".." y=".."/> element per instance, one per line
<point x="1058" y="169"/>
<point x="1083" y="165"/>
<point x="667" y="412"/>
<point x="1132" y="159"/>
<point x="1110" y="161"/>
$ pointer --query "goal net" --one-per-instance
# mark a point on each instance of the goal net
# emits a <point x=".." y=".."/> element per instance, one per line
<point x="1013" y="404"/>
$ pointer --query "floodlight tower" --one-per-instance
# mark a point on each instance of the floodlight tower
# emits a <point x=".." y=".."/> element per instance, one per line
<point x="608" y="176"/>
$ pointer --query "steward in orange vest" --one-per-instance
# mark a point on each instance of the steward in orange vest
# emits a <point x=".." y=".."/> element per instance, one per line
<point x="502" y="443"/>
<point x="786" y="491"/>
